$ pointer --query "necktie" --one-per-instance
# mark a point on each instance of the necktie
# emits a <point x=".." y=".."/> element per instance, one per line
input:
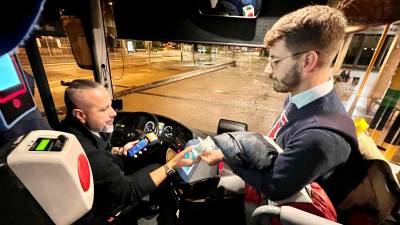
<point x="282" y="120"/>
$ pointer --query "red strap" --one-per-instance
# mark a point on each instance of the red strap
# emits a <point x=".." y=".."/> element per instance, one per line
<point x="321" y="205"/>
<point x="251" y="194"/>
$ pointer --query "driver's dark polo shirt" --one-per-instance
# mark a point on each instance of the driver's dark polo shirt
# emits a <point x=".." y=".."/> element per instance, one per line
<point x="112" y="188"/>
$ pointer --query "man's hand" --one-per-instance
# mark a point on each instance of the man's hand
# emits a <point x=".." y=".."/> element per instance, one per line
<point x="212" y="157"/>
<point x="181" y="161"/>
<point x="123" y="150"/>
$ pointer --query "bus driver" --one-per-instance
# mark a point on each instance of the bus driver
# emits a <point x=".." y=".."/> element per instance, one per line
<point x="90" y="117"/>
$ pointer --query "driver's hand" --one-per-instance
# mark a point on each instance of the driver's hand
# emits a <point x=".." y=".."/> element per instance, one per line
<point x="123" y="150"/>
<point x="182" y="159"/>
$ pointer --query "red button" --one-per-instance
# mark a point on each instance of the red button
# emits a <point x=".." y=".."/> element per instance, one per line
<point x="84" y="172"/>
<point x="220" y="166"/>
<point x="17" y="103"/>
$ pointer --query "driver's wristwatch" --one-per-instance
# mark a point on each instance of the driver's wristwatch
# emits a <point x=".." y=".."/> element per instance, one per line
<point x="169" y="171"/>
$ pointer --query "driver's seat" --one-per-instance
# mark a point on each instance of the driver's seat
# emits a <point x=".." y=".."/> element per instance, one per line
<point x="225" y="125"/>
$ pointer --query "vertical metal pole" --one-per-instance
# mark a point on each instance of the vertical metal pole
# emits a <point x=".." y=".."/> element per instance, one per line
<point x="100" y="58"/>
<point x="342" y="54"/>
<point x="47" y="44"/>
<point x="193" y="54"/>
<point x="209" y="55"/>
<point x="226" y="52"/>
<point x="392" y="60"/>
<point x="149" y="49"/>
<point x="392" y="140"/>
<point x="181" y="52"/>
<point x="369" y="69"/>
<point x="386" y="108"/>
<point x="41" y="81"/>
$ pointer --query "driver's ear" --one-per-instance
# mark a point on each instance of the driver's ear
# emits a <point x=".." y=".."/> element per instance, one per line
<point x="80" y="115"/>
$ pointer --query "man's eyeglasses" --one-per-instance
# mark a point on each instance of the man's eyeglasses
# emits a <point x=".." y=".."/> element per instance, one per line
<point x="274" y="62"/>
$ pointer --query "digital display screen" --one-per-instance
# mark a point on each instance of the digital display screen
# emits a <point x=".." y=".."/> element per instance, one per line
<point x="42" y="145"/>
<point x="9" y="76"/>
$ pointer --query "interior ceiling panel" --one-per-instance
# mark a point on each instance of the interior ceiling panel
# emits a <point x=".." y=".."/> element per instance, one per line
<point x="370" y="12"/>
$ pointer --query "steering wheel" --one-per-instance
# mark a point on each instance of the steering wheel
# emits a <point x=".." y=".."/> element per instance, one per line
<point x="131" y="127"/>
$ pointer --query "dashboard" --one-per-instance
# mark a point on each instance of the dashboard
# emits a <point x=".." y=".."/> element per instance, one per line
<point x="162" y="130"/>
<point x="170" y="131"/>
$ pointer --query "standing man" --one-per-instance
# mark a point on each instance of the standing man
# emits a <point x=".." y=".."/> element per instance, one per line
<point x="317" y="137"/>
<point x="90" y="118"/>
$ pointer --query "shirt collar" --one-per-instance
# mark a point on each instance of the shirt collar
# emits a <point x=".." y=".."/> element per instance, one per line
<point x="312" y="94"/>
<point x="97" y="134"/>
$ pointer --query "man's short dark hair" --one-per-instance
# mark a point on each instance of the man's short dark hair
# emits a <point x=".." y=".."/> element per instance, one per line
<point x="72" y="88"/>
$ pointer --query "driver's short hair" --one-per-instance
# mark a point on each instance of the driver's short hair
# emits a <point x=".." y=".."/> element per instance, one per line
<point x="319" y="28"/>
<point x="71" y="90"/>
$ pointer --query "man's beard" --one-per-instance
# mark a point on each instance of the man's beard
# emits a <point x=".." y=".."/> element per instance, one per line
<point x="108" y="129"/>
<point x="290" y="81"/>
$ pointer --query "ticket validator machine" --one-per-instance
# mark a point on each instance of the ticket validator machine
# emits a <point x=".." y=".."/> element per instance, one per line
<point x="45" y="179"/>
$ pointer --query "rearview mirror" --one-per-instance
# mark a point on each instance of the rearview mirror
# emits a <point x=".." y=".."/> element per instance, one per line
<point x="77" y="39"/>
<point x="230" y="8"/>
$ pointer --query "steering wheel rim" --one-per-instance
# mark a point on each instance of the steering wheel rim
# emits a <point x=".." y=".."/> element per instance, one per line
<point x="136" y="132"/>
